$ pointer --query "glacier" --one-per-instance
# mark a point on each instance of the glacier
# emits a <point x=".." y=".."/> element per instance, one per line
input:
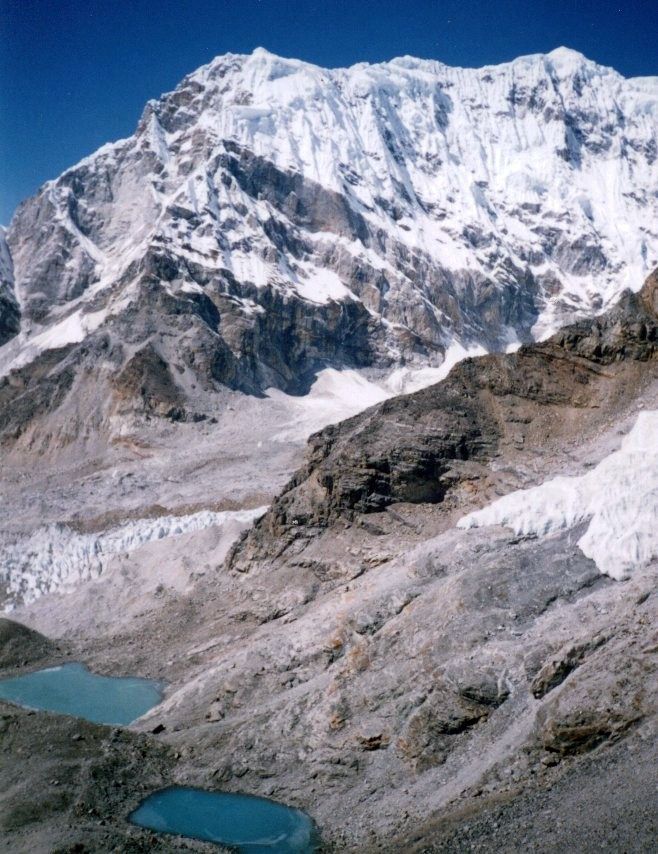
<point x="618" y="498"/>
<point x="56" y="558"/>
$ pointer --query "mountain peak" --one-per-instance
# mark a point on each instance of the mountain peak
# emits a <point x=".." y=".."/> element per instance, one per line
<point x="566" y="62"/>
<point x="264" y="53"/>
<point x="567" y="56"/>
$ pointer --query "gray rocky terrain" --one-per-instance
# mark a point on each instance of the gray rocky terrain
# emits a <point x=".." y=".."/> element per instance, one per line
<point x="9" y="311"/>
<point x="413" y="685"/>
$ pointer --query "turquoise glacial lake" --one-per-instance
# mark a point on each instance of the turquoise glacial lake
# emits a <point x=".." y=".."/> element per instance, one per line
<point x="71" y="689"/>
<point x="249" y="824"/>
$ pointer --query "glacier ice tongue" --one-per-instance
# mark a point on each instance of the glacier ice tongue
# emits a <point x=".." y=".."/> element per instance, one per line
<point x="619" y="497"/>
<point x="57" y="558"/>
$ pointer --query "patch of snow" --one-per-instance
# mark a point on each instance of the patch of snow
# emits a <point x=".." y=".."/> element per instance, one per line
<point x="70" y="330"/>
<point x="191" y="288"/>
<point x="407" y="380"/>
<point x="322" y="286"/>
<point x="157" y="139"/>
<point x="336" y="395"/>
<point x="619" y="497"/>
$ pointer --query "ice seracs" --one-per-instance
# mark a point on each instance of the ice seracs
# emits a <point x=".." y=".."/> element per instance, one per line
<point x="618" y="498"/>
<point x="58" y="558"/>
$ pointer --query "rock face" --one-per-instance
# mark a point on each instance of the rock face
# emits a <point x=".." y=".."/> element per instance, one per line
<point x="269" y="218"/>
<point x="19" y="645"/>
<point x="9" y="313"/>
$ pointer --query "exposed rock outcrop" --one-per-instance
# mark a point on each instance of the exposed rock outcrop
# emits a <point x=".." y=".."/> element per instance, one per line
<point x="9" y="312"/>
<point x="20" y="645"/>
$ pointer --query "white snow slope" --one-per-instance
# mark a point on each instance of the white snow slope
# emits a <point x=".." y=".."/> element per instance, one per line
<point x="337" y="395"/>
<point x="619" y="498"/>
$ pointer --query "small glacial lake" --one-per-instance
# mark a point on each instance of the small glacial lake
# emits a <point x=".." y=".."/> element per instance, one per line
<point x="71" y="689"/>
<point x="247" y="823"/>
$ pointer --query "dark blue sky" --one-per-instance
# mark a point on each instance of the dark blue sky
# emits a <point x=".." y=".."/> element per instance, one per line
<point x="76" y="73"/>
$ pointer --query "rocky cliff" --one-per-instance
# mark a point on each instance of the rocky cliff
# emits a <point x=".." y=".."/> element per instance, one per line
<point x="9" y="313"/>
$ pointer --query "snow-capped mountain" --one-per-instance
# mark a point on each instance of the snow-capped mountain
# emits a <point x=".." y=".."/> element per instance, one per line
<point x="269" y="218"/>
